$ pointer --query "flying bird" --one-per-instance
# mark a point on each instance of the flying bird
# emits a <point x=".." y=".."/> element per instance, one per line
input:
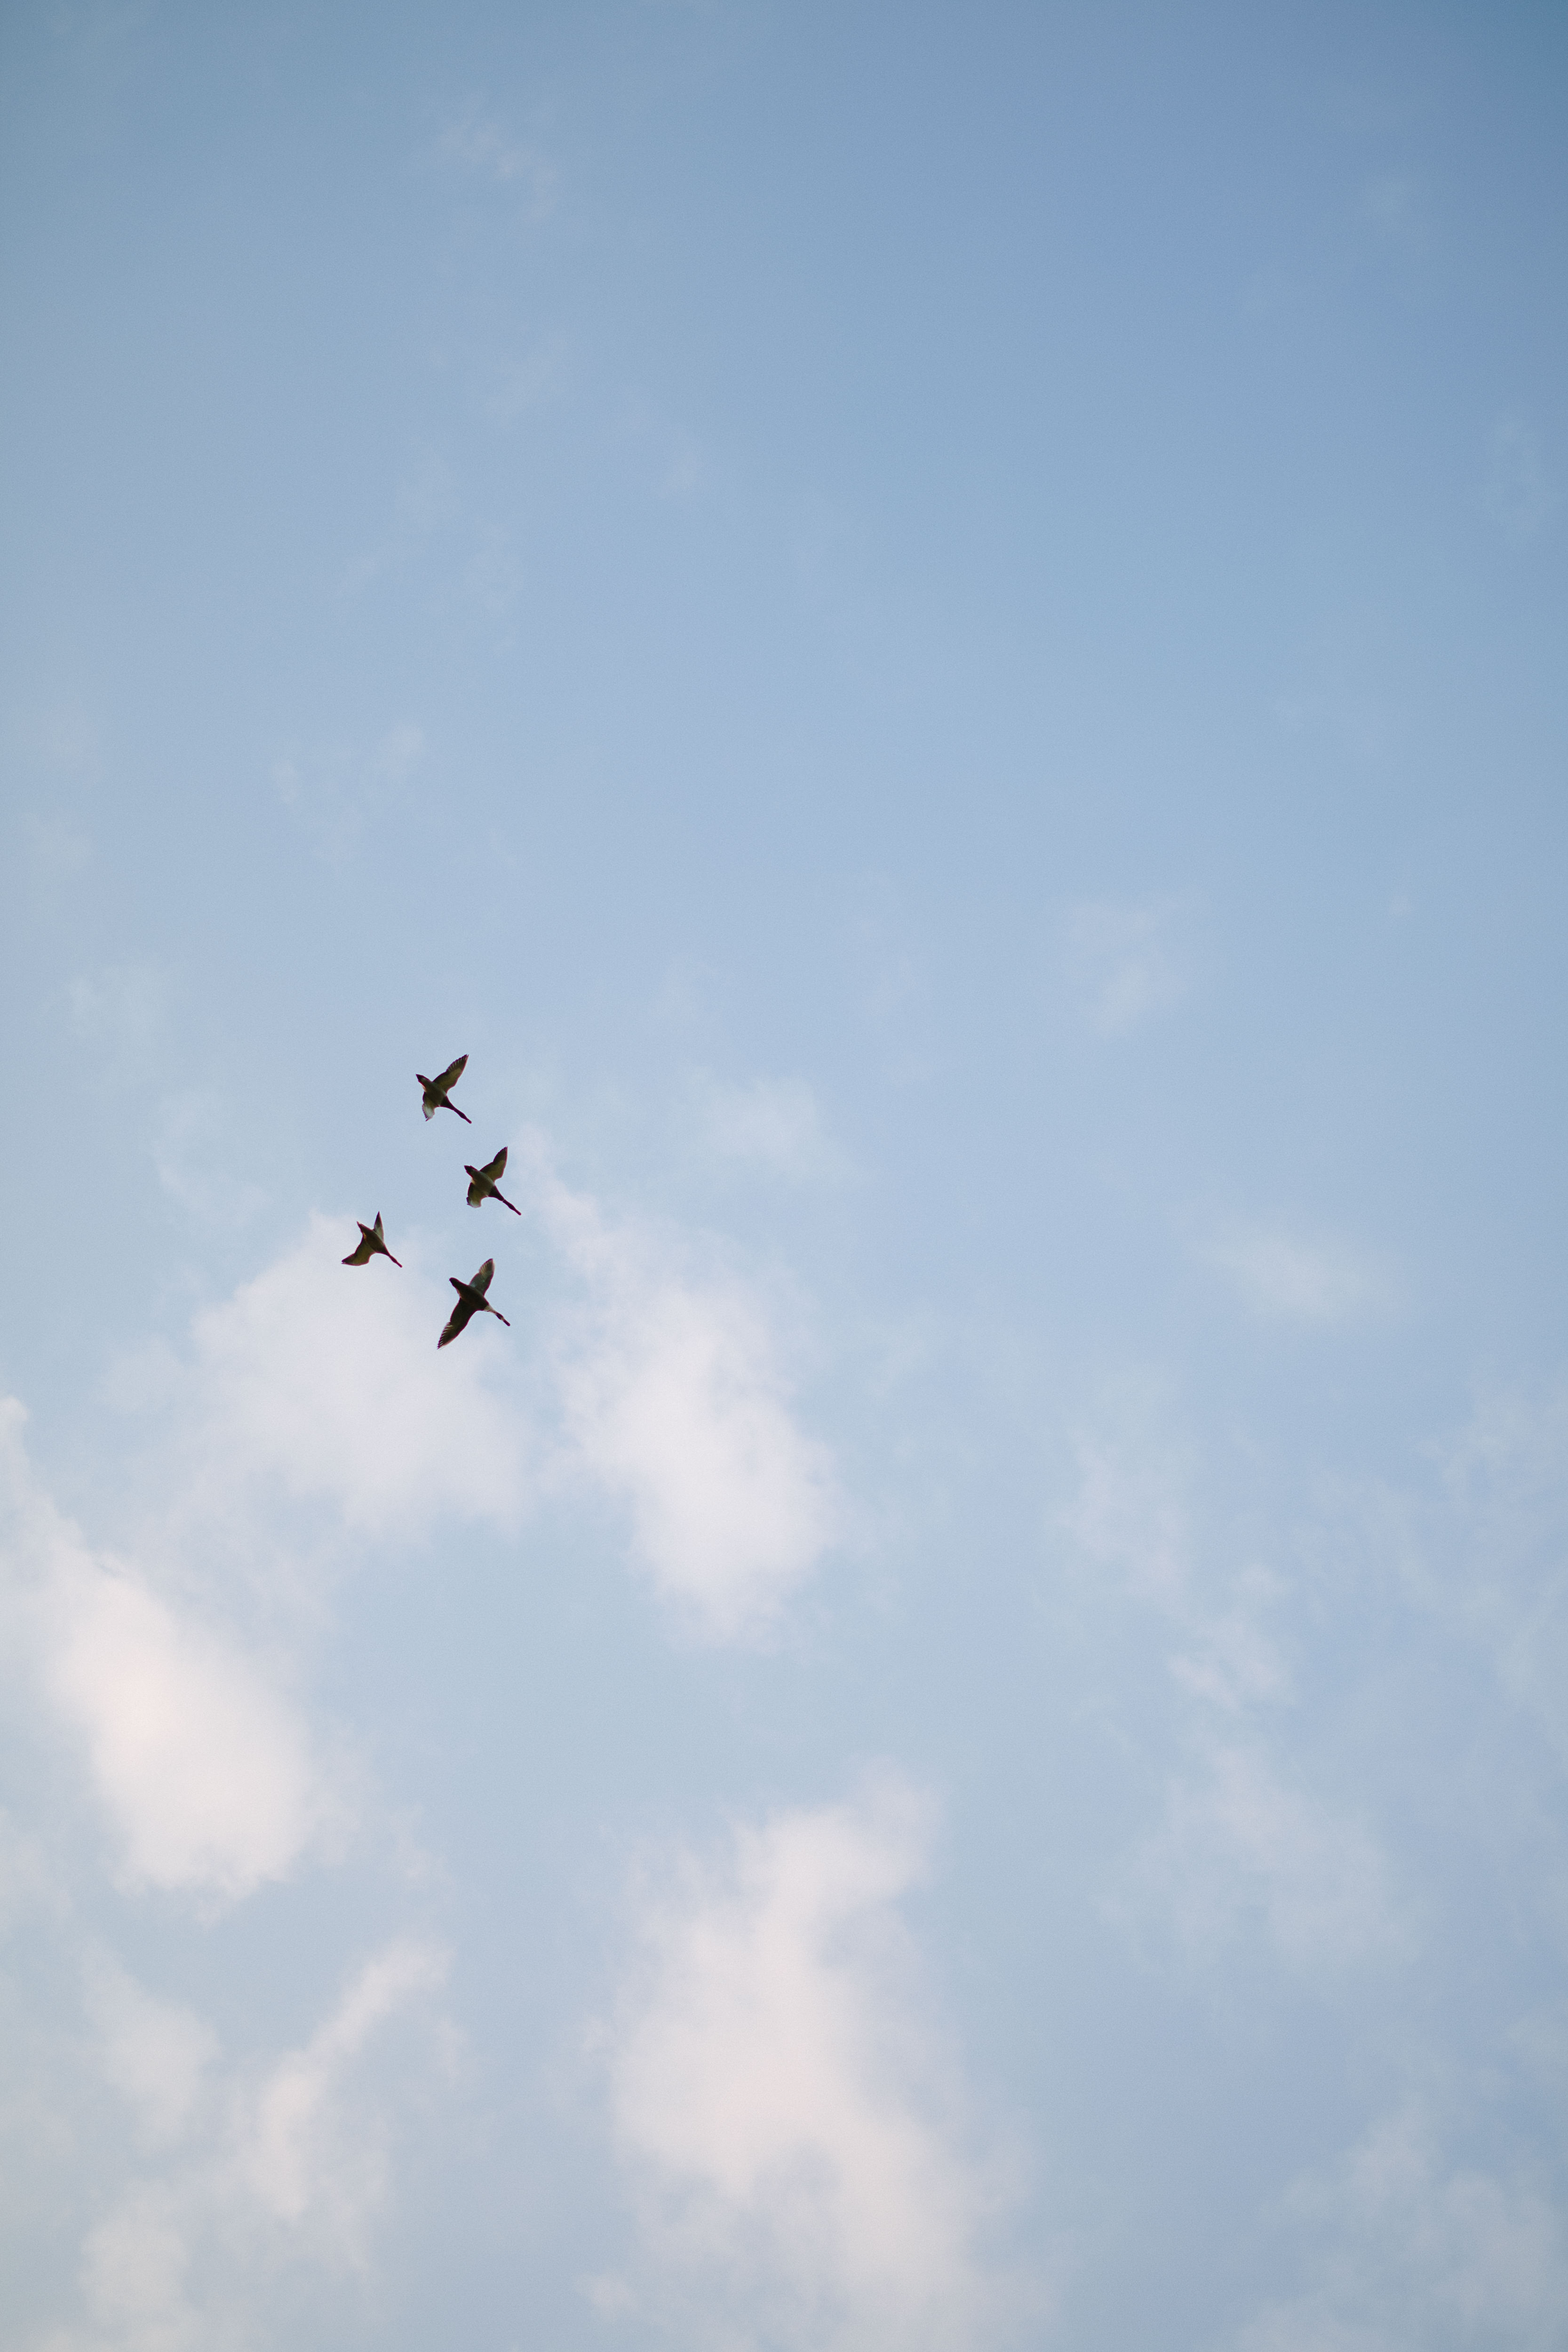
<point x="485" y="1185"/>
<point x="471" y="1301"/>
<point x="372" y="1244"/>
<point x="438" y="1089"/>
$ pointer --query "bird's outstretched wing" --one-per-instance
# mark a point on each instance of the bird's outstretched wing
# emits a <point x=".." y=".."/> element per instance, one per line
<point x="461" y="1315"/>
<point x="435" y="1089"/>
<point x="481" y="1281"/>
<point x="360" y="1256"/>
<point x="376" y="1228"/>
<point x="496" y="1168"/>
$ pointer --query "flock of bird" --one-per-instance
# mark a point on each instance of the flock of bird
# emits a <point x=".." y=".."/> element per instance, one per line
<point x="484" y="1184"/>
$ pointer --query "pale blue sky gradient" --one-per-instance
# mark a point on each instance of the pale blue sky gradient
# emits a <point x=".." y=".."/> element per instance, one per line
<point x="936" y="637"/>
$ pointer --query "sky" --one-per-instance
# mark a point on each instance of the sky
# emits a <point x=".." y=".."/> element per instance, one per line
<point x="935" y="636"/>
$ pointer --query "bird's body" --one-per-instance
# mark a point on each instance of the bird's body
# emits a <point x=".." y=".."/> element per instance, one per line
<point x="372" y="1243"/>
<point x="486" y="1184"/>
<point x="436" y="1090"/>
<point x="471" y="1301"/>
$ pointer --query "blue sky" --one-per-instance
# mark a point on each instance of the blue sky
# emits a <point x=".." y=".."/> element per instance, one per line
<point x="935" y="637"/>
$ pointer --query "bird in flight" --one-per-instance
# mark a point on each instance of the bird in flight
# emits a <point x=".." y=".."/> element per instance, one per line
<point x="438" y="1089"/>
<point x="372" y="1244"/>
<point x="471" y="1301"/>
<point x="485" y="1185"/>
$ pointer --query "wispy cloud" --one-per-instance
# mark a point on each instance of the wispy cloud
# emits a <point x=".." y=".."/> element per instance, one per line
<point x="338" y="792"/>
<point x="1131" y="1512"/>
<point x="1397" y="207"/>
<point x="1413" y="2248"/>
<point x="305" y="2147"/>
<point x="261" y="2164"/>
<point x="784" y="2105"/>
<point x="119" y="1009"/>
<point x="195" y="1164"/>
<point x="1493" y="1562"/>
<point x="1239" y="1850"/>
<point x="158" y="2054"/>
<point x="475" y="143"/>
<point x="530" y="380"/>
<point x="1519" y="492"/>
<point x="1249" y="1842"/>
<point x="1300" y="1277"/>
<point x="1124" y="962"/>
<point x="678" y="464"/>
<point x="773" y="1124"/>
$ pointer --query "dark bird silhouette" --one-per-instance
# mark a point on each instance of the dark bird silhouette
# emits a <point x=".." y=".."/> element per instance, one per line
<point x="438" y="1089"/>
<point x="372" y="1244"/>
<point x="471" y="1301"/>
<point x="485" y="1185"/>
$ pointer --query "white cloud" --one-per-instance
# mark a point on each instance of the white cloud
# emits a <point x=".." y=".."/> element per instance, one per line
<point x="1415" y="2254"/>
<point x="783" y="2105"/>
<point x="205" y="1770"/>
<point x="312" y="1385"/>
<point x="674" y="1400"/>
<point x="775" y="1124"/>
<point x="1123" y="965"/>
<point x="328" y="1384"/>
<point x="1296" y="1277"/>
